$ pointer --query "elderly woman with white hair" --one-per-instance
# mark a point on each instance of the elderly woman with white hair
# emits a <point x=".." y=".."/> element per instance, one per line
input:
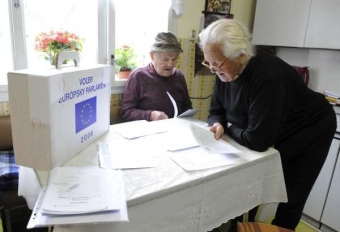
<point x="260" y="101"/>
<point x="145" y="96"/>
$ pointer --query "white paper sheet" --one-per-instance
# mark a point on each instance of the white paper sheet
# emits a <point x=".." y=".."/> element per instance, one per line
<point x="198" y="159"/>
<point x="179" y="138"/>
<point x="104" y="155"/>
<point x="188" y="113"/>
<point x="173" y="104"/>
<point x="133" y="153"/>
<point x="29" y="186"/>
<point x="139" y="128"/>
<point x="206" y="140"/>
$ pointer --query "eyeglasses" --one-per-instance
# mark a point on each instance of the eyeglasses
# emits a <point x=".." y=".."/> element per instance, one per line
<point x="207" y="64"/>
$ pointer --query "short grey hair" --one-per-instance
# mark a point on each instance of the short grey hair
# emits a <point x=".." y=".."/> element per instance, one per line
<point x="232" y="36"/>
<point x="166" y="42"/>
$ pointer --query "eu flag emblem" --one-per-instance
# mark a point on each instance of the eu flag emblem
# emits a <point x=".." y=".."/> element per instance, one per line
<point x="86" y="113"/>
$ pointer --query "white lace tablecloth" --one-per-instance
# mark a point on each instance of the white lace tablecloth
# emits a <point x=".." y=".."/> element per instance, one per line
<point x="168" y="199"/>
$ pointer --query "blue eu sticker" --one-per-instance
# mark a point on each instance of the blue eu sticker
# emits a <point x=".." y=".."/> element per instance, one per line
<point x="86" y="112"/>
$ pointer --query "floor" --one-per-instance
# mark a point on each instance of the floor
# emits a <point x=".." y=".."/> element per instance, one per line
<point x="20" y="226"/>
<point x="305" y="227"/>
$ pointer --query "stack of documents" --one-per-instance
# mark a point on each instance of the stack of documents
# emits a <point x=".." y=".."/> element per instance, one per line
<point x="333" y="98"/>
<point x="192" y="147"/>
<point x="80" y="195"/>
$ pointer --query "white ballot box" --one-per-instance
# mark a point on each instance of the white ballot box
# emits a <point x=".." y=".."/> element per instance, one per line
<point x="55" y="114"/>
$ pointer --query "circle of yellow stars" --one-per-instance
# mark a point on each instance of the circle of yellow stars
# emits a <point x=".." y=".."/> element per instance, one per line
<point x="88" y="120"/>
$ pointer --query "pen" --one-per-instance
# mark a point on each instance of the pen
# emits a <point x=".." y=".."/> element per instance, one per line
<point x="72" y="187"/>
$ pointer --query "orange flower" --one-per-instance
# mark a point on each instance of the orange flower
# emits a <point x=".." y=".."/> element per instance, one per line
<point x="54" y="42"/>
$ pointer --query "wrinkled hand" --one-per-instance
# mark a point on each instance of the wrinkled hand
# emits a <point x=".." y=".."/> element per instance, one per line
<point x="218" y="130"/>
<point x="158" y="115"/>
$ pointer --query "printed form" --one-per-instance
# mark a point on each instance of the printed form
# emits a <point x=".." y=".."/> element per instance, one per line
<point x="210" y="154"/>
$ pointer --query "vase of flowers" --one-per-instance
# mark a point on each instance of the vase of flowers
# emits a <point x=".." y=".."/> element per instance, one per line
<point x="54" y="42"/>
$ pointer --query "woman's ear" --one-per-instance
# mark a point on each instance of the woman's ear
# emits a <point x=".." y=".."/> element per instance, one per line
<point x="243" y="58"/>
<point x="152" y="55"/>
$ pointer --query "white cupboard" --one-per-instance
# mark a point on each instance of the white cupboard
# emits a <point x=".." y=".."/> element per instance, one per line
<point x="318" y="196"/>
<point x="297" y="23"/>
<point x="281" y="23"/>
<point x="323" y="29"/>
<point x="330" y="216"/>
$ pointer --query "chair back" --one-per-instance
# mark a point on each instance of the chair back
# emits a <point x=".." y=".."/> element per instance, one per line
<point x="259" y="227"/>
<point x="6" y="142"/>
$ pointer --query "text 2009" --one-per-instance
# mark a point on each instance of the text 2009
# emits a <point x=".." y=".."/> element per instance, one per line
<point x="86" y="136"/>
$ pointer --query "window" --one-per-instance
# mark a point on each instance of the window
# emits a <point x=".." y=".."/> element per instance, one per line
<point x="75" y="16"/>
<point x="97" y="22"/>
<point x="136" y="24"/>
<point x="31" y="17"/>
<point x="6" y="56"/>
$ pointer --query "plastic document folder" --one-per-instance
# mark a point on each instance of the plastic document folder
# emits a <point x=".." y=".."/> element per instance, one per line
<point x="80" y="195"/>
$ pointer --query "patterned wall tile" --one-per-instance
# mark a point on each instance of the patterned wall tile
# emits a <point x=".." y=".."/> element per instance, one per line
<point x="180" y="58"/>
<point x="116" y="100"/>
<point x="200" y="86"/>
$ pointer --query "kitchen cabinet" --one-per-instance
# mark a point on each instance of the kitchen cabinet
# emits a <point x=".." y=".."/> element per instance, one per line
<point x="281" y="23"/>
<point x="330" y="216"/>
<point x="318" y="196"/>
<point x="297" y="23"/>
<point x="323" y="29"/>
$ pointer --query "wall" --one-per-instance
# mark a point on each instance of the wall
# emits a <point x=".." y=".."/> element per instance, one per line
<point x="190" y="19"/>
<point x="323" y="65"/>
<point x="243" y="10"/>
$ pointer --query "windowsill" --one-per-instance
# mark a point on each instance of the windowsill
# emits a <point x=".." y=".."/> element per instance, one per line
<point x="116" y="88"/>
<point x="118" y="85"/>
<point x="4" y="91"/>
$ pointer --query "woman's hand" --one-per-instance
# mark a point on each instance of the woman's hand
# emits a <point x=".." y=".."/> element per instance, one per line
<point x="157" y="115"/>
<point x="218" y="130"/>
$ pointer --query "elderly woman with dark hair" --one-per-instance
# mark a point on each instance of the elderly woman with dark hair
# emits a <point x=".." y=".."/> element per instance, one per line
<point x="260" y="101"/>
<point x="145" y="96"/>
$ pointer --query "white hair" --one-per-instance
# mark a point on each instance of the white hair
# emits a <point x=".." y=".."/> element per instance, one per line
<point x="232" y="37"/>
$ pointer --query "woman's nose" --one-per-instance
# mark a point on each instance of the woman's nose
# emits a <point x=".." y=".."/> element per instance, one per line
<point x="213" y="69"/>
